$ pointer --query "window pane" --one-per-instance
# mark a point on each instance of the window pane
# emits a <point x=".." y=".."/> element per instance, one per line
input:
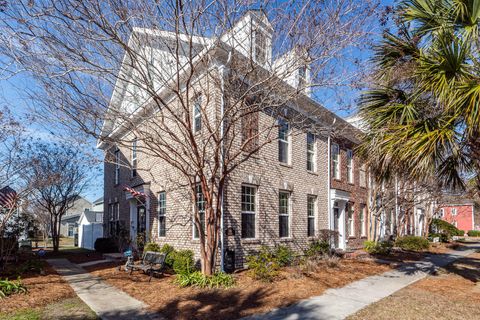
<point x="161" y="226"/>
<point x="283" y="227"/>
<point x="311" y="227"/>
<point x="248" y="225"/>
<point x="283" y="151"/>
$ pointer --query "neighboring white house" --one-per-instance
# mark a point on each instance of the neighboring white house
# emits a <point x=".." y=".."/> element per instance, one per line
<point x="69" y="220"/>
<point x="90" y="227"/>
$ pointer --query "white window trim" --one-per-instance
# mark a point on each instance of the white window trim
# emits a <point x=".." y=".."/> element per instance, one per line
<point x="336" y="163"/>
<point x="134" y="158"/>
<point x="363" y="216"/>
<point x="351" y="222"/>
<point x="288" y="142"/>
<point x="250" y="212"/>
<point x="197" y="113"/>
<point x="117" y="166"/>
<point x="289" y="214"/>
<point x="315" y="209"/>
<point x="350" y="167"/>
<point x="164" y="214"/>
<point x="442" y="212"/>
<point x="454" y="211"/>
<point x="313" y="153"/>
<point x="363" y="172"/>
<point x="254" y="51"/>
<point x="193" y="220"/>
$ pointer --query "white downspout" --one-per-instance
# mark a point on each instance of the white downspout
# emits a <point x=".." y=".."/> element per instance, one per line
<point x="221" y="70"/>
<point x="330" y="218"/>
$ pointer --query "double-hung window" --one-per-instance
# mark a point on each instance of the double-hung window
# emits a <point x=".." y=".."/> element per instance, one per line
<point x="283" y="141"/>
<point x="454" y="211"/>
<point x="134" y="158"/>
<point x="442" y="213"/>
<point x="302" y="76"/>
<point x="311" y="156"/>
<point x="351" y="220"/>
<point x="260" y="47"/>
<point x="335" y="161"/>
<point x="284" y="214"/>
<point x="248" y="211"/>
<point x="117" y="166"/>
<point x="363" y="226"/>
<point x="162" y="211"/>
<point x="197" y="114"/>
<point x="311" y="205"/>
<point x="350" y="166"/>
<point x="200" y="207"/>
<point x="363" y="176"/>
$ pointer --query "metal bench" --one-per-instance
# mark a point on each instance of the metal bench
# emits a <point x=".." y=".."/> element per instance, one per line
<point x="152" y="262"/>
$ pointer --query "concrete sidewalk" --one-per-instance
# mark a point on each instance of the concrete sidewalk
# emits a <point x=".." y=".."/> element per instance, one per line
<point x="342" y="302"/>
<point x="106" y="301"/>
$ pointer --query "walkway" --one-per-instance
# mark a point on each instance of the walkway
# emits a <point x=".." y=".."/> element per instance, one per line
<point x="106" y="301"/>
<point x="342" y="302"/>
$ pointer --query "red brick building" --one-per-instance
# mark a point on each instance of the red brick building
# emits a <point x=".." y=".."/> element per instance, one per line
<point x="461" y="213"/>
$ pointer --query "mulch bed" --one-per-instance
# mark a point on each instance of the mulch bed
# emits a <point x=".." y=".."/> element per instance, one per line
<point x="248" y="297"/>
<point x="42" y="290"/>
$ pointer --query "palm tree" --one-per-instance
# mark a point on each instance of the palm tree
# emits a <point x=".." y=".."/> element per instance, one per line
<point x="422" y="110"/>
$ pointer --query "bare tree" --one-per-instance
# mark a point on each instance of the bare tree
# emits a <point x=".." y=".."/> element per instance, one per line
<point x="56" y="175"/>
<point x="177" y="68"/>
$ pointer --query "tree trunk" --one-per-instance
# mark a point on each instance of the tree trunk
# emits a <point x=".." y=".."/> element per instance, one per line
<point x="55" y="234"/>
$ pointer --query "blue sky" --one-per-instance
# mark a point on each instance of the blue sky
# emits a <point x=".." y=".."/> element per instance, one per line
<point x="11" y="95"/>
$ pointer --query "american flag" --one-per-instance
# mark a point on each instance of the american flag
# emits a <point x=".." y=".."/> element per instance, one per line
<point x="8" y="198"/>
<point x="133" y="192"/>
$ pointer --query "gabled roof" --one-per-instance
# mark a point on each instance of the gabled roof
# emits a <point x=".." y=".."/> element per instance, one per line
<point x="322" y="114"/>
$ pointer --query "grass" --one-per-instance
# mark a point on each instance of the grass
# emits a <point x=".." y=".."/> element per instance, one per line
<point x="72" y="308"/>
<point x="452" y="293"/>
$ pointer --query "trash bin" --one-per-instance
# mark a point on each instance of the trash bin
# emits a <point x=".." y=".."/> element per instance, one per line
<point x="75" y="239"/>
<point x="229" y="261"/>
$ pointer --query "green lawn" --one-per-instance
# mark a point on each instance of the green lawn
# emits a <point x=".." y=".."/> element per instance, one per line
<point x="67" y="309"/>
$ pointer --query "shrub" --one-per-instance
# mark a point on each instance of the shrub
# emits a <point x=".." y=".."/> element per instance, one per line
<point x="169" y="254"/>
<point x="412" y="243"/>
<point x="35" y="266"/>
<point x="8" y="287"/>
<point x="318" y="248"/>
<point x="380" y="247"/>
<point x="442" y="236"/>
<point x="151" y="246"/>
<point x="105" y="245"/>
<point x="441" y="226"/>
<point x="197" y="279"/>
<point x="473" y="233"/>
<point x="263" y="265"/>
<point x="183" y="262"/>
<point x="283" y="255"/>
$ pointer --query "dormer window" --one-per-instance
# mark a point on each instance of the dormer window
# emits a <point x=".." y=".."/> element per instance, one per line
<point x="302" y="76"/>
<point x="260" y="52"/>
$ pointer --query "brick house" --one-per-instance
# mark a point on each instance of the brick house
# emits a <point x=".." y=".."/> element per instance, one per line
<point x="296" y="186"/>
<point x="462" y="213"/>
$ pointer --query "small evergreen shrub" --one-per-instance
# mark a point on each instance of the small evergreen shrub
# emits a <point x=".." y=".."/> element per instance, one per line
<point x="183" y="262"/>
<point x="442" y="236"/>
<point x="105" y="245"/>
<point x="263" y="265"/>
<point x="473" y="233"/>
<point x="198" y="279"/>
<point x="283" y="255"/>
<point x="169" y="255"/>
<point x="318" y="248"/>
<point x="412" y="243"/>
<point x="8" y="287"/>
<point x="380" y="247"/>
<point x="151" y="246"/>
